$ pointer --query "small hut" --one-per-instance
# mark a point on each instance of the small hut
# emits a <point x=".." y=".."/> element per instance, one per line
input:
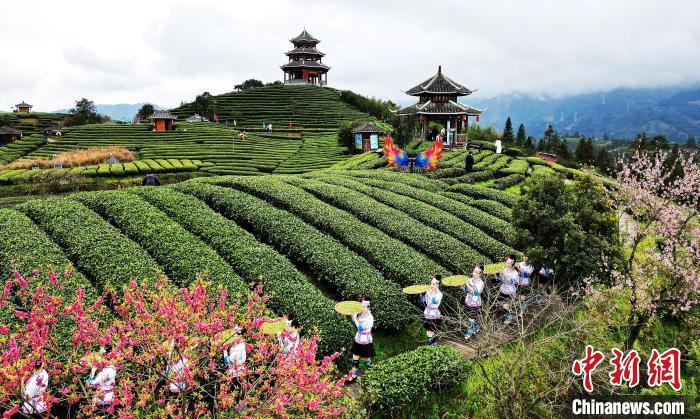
<point x="23" y="107"/>
<point x="367" y="137"/>
<point x="549" y="158"/>
<point x="8" y="135"/>
<point x="162" y="121"/>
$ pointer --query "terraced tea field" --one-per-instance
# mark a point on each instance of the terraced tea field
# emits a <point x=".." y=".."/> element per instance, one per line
<point x="316" y="114"/>
<point x="305" y="106"/>
<point x="314" y="239"/>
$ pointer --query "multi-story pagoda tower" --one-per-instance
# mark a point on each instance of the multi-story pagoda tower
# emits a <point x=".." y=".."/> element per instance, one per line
<point x="305" y="64"/>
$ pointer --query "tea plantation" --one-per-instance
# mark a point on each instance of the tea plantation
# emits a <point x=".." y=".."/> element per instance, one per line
<point x="315" y="113"/>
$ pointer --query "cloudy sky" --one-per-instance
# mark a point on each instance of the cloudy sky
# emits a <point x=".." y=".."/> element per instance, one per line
<point x="54" y="52"/>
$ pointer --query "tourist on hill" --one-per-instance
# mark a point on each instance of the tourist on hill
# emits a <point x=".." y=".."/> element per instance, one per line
<point x="498" y="146"/>
<point x="104" y="382"/>
<point x="431" y="314"/>
<point x="269" y="127"/>
<point x="474" y="289"/>
<point x="289" y="340"/>
<point x="33" y="391"/>
<point x="150" y="180"/>
<point x="469" y="162"/>
<point x="509" y="276"/>
<point x="363" y="346"/>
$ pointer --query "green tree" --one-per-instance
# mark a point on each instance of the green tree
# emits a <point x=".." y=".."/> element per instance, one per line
<point x="584" y="152"/>
<point x="83" y="113"/>
<point x="520" y="136"/>
<point x="146" y="111"/>
<point x="566" y="227"/>
<point x="248" y="84"/>
<point x="603" y="161"/>
<point x="551" y="139"/>
<point x="690" y="144"/>
<point x="205" y="105"/>
<point x="528" y="143"/>
<point x="508" y="137"/>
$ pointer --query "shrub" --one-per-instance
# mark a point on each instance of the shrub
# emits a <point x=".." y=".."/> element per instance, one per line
<point x="253" y="260"/>
<point x="472" y="177"/>
<point x="182" y="255"/>
<point x="449" y="251"/>
<point x="98" y="249"/>
<point x="434" y="217"/>
<point x="507" y="181"/>
<point x="414" y="179"/>
<point x="406" y="380"/>
<point x="485" y="193"/>
<point x="396" y="260"/>
<point x="492" y="207"/>
<point x="331" y="262"/>
<point x="495" y="227"/>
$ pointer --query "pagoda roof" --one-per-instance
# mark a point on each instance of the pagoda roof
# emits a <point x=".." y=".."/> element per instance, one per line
<point x="439" y="108"/>
<point x="305" y="64"/>
<point x="439" y="84"/>
<point x="23" y="104"/>
<point x="9" y="131"/>
<point x="162" y="115"/>
<point x="307" y="51"/>
<point x="304" y="37"/>
<point x="367" y="128"/>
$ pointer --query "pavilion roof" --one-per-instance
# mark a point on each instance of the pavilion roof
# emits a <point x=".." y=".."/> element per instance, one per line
<point x="308" y="51"/>
<point x="162" y="115"/>
<point x="367" y="128"/>
<point x="23" y="104"/>
<point x="9" y="131"/>
<point x="304" y="37"/>
<point x="439" y="84"/>
<point x="305" y="63"/>
<point x="439" y="108"/>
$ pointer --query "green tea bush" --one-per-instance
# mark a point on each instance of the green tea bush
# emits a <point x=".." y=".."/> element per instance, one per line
<point x="433" y="217"/>
<point x="493" y="207"/>
<point x="507" y="181"/>
<point x="253" y="260"/>
<point x="406" y="380"/>
<point x="182" y="255"/>
<point x="97" y="248"/>
<point x="394" y="259"/>
<point x="493" y="226"/>
<point x="351" y="276"/>
<point x="485" y="193"/>
<point x="449" y="251"/>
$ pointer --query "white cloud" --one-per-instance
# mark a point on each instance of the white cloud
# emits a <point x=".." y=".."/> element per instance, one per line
<point x="165" y="51"/>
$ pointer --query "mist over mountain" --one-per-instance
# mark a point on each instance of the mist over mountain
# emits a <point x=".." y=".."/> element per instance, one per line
<point x="621" y="113"/>
<point x="119" y="112"/>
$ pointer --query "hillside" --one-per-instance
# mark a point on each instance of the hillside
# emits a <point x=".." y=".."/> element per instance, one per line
<point x="621" y="113"/>
<point x="312" y="143"/>
<point x="306" y="106"/>
<point x="329" y="235"/>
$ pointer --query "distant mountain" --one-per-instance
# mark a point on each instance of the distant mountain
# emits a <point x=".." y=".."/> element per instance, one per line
<point x="621" y="113"/>
<point x="119" y="112"/>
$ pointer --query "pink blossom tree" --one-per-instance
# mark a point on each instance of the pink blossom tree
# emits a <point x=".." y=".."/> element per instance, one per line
<point x="659" y="207"/>
<point x="160" y="338"/>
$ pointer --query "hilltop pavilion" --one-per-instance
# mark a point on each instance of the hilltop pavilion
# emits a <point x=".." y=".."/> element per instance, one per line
<point x="23" y="107"/>
<point x="305" y="62"/>
<point x="438" y="102"/>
